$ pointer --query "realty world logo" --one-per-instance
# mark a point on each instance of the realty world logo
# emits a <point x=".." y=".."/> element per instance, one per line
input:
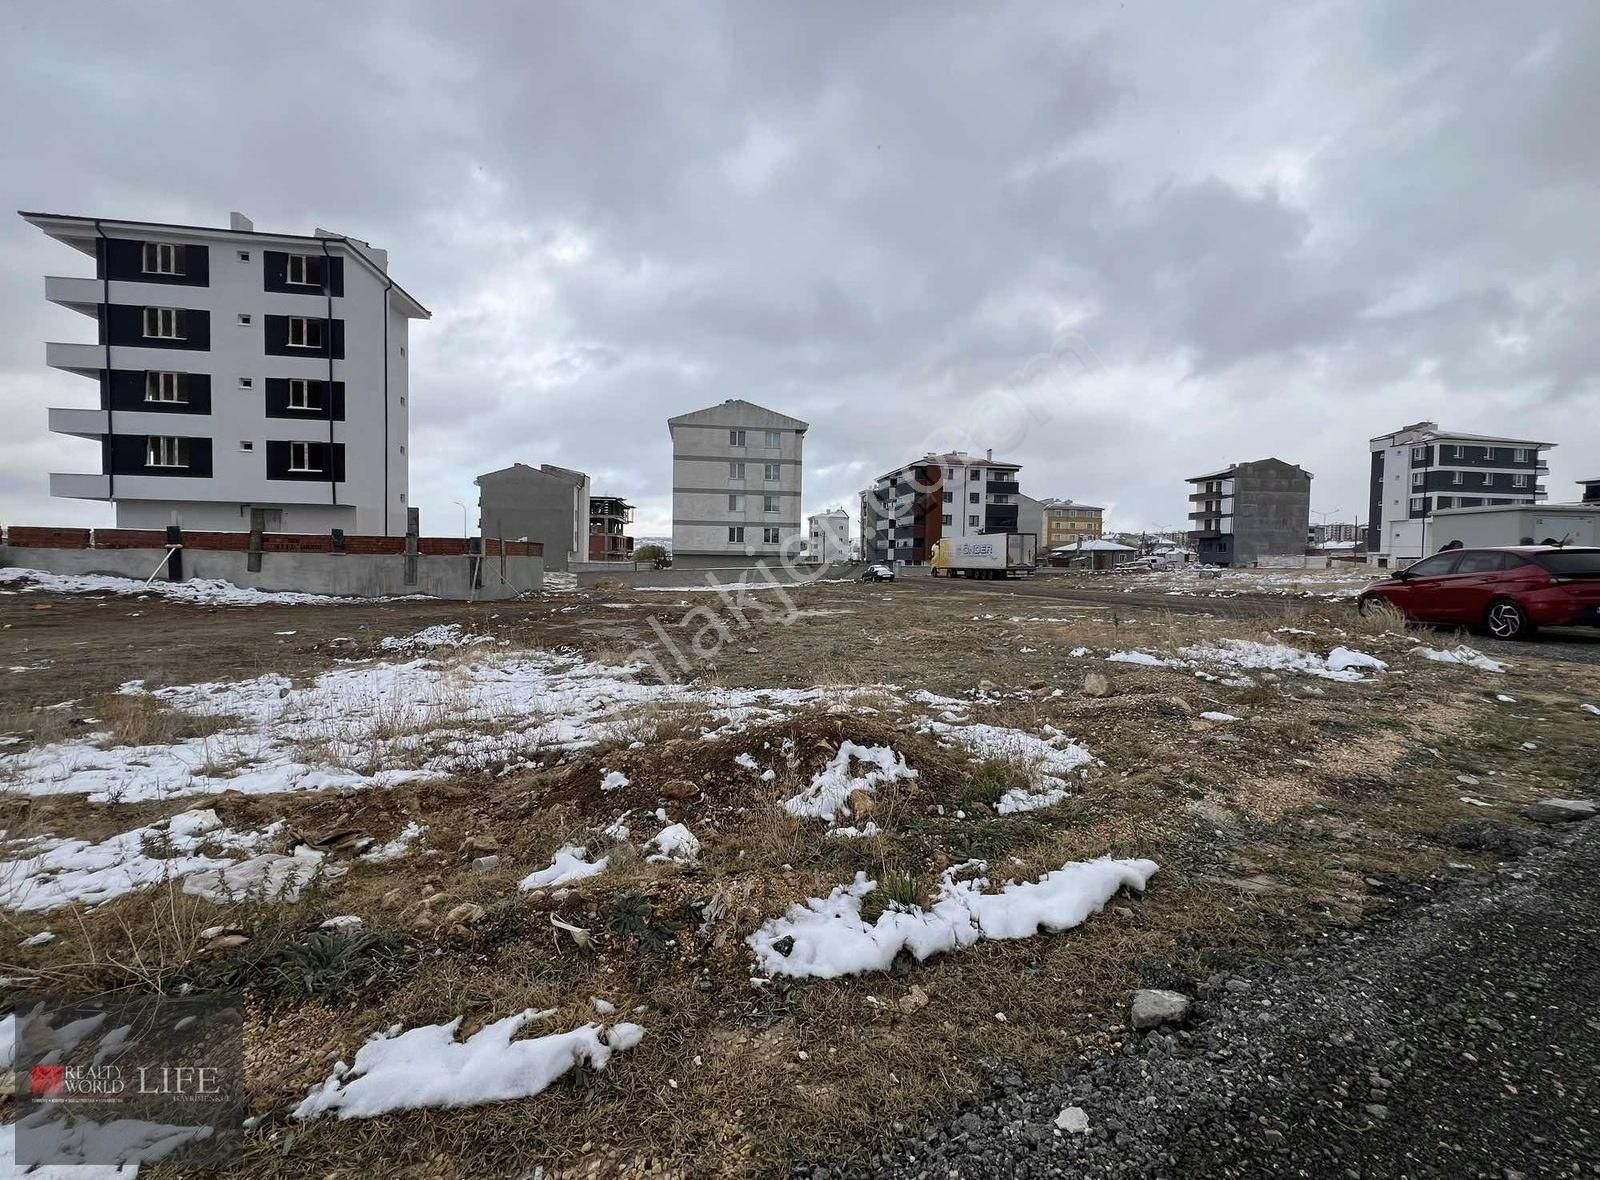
<point x="64" y="1082"/>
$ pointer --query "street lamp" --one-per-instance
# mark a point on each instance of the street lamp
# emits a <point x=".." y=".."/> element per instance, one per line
<point x="466" y="529"/>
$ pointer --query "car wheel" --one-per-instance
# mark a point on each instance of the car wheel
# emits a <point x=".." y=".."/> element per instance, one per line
<point x="1506" y="620"/>
<point x="1368" y="604"/>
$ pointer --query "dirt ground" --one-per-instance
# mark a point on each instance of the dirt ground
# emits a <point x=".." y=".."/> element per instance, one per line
<point x="1268" y="828"/>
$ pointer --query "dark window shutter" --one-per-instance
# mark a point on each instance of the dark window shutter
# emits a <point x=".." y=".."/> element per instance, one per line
<point x="337" y="337"/>
<point x="274" y="270"/>
<point x="336" y="277"/>
<point x="338" y="401"/>
<point x="338" y="462"/>
<point x="197" y="265"/>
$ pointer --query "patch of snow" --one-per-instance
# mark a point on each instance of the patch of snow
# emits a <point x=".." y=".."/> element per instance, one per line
<point x="199" y="591"/>
<point x="831" y="786"/>
<point x="865" y="832"/>
<point x="1505" y="700"/>
<point x="1340" y="664"/>
<point x="1215" y="716"/>
<point x="268" y="877"/>
<point x="1466" y="656"/>
<point x="342" y="922"/>
<point x="80" y="1146"/>
<point x="438" y="635"/>
<point x="675" y="842"/>
<point x="78" y="872"/>
<point x="428" y="1067"/>
<point x="397" y="847"/>
<point x="747" y="761"/>
<point x="1588" y="708"/>
<point x="828" y="937"/>
<point x="614" y="780"/>
<point x="39" y="939"/>
<point x="570" y="863"/>
<point x="1047" y="760"/>
<point x="1143" y="658"/>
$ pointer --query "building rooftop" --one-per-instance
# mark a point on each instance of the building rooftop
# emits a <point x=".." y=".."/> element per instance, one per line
<point x="80" y="232"/>
<point x="951" y="459"/>
<point x="1427" y="432"/>
<point x="716" y="416"/>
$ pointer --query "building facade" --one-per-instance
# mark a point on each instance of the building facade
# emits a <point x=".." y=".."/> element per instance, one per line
<point x="1067" y="521"/>
<point x="907" y="511"/>
<point x="1334" y="533"/>
<point x="737" y="471"/>
<point x="547" y="504"/>
<point x="244" y="378"/>
<point x="1420" y="469"/>
<point x="1249" y="511"/>
<point x="828" y="536"/>
<point x="609" y="517"/>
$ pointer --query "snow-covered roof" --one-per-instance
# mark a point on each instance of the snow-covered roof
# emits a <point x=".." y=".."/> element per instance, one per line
<point x="1088" y="546"/>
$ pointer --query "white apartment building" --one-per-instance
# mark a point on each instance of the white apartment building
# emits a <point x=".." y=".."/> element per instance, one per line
<point x="1420" y="469"/>
<point x="240" y="374"/>
<point x="736" y="476"/>
<point x="829" y="534"/>
<point x="906" y="511"/>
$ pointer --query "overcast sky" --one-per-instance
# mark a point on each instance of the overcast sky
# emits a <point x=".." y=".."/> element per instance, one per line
<point x="1120" y="243"/>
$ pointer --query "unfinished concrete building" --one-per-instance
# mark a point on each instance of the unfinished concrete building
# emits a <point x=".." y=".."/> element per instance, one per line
<point x="547" y="504"/>
<point x="1250" y="511"/>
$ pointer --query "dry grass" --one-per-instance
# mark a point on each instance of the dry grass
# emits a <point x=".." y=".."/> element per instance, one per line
<point x="1265" y="830"/>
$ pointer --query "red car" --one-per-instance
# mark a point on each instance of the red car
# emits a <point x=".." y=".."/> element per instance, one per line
<point x="1509" y="592"/>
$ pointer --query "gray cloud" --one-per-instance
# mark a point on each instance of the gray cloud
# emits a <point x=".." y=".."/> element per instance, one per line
<point x="1122" y="248"/>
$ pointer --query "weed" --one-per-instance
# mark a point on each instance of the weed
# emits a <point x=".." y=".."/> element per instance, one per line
<point x="895" y="888"/>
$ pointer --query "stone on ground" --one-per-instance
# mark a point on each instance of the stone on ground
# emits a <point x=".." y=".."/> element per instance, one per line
<point x="1562" y="811"/>
<point x="1153" y="1007"/>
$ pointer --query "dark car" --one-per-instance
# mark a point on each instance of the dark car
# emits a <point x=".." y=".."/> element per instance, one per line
<point x="877" y="573"/>
<point x="1509" y="592"/>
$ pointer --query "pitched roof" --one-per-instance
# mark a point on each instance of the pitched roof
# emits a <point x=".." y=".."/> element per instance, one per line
<point x="722" y="413"/>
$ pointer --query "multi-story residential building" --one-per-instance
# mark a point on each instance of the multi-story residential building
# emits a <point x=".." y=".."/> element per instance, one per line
<point x="906" y="511"/>
<point x="1591" y="491"/>
<point x="244" y="377"/>
<point x="736" y="480"/>
<point x="829" y="536"/>
<point x="1420" y="468"/>
<point x="1249" y="511"/>
<point x="1066" y="521"/>
<point x="1334" y="533"/>
<point x="609" y="517"/>
<point x="548" y="504"/>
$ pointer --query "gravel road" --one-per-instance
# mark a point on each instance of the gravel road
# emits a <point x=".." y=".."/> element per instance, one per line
<point x="1457" y="1037"/>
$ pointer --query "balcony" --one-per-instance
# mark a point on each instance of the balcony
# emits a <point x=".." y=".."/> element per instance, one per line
<point x="87" y="359"/>
<point x="80" y="487"/>
<point x="80" y="423"/>
<point x="81" y="295"/>
<point x="1004" y="487"/>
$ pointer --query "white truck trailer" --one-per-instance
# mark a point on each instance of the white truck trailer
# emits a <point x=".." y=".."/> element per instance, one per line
<point x="986" y="555"/>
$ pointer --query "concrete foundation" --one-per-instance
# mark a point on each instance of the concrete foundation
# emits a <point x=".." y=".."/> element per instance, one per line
<point x="718" y="575"/>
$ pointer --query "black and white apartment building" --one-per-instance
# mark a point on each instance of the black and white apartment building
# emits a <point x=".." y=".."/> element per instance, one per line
<point x="237" y="372"/>
<point x="1420" y="469"/>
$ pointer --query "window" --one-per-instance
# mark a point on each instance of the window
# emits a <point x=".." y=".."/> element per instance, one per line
<point x="1488" y="453"/>
<point x="246" y="445"/>
<point x="1420" y="453"/>
<point x="162" y="450"/>
<point x="975" y="473"/>
<point x="1418" y="480"/>
<point x="1417" y="502"/>
<point x="244" y="256"/>
<point x="1520" y="455"/>
<point x="769" y="503"/>
<point x="246" y="382"/>
<point x="304" y="395"/>
<point x="1481" y="562"/>
<point x="303" y="457"/>
<point x="947" y="519"/>
<point x="736" y="438"/>
<point x="1442" y="502"/>
<point x="1519" y="481"/>
<point x="972" y="522"/>
<point x="165" y="387"/>
<point x="1458" y="477"/>
<point x="735" y="534"/>
<point x="972" y="497"/>
<point x="733" y="503"/>
<point x="769" y="536"/>
<point x="244" y="318"/>
<point x="735" y="470"/>
<point x="162" y="258"/>
<point x="304" y="333"/>
<point x="999" y="498"/>
<point x="769" y="472"/>
<point x="305" y="271"/>
<point x="949" y="497"/>
<point x="163" y="323"/>
<point x="1433" y="567"/>
<point x="1488" y="477"/>
<point x="774" y="438"/>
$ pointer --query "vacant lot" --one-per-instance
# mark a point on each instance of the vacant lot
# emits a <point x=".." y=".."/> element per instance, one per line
<point x="507" y="808"/>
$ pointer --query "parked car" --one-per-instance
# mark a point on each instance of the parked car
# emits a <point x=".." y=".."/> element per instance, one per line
<point x="1509" y="592"/>
<point x="877" y="573"/>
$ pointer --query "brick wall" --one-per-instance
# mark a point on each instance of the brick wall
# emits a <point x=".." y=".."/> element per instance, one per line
<point x="47" y="538"/>
<point x="130" y="539"/>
